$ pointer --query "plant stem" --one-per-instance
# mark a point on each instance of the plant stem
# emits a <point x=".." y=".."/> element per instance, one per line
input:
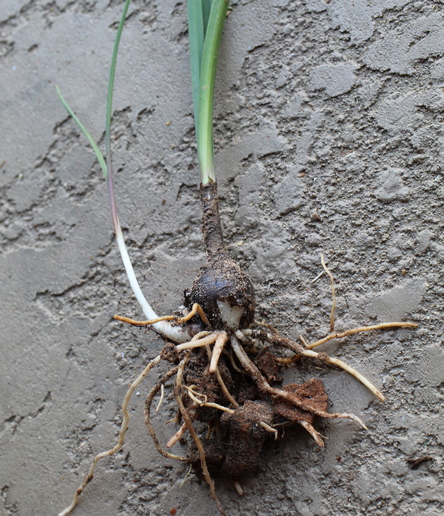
<point x="206" y="94"/>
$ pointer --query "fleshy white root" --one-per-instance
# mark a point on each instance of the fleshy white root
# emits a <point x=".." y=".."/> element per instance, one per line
<point x="217" y="350"/>
<point x="269" y="428"/>
<point x="238" y="488"/>
<point x="204" y="403"/>
<point x="222" y="383"/>
<point x="200" y="340"/>
<point x="198" y="343"/>
<point x="335" y="361"/>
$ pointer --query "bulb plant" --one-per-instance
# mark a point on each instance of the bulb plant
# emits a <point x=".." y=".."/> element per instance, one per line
<point x="228" y="389"/>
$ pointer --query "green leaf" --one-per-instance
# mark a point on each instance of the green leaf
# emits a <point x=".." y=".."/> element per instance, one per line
<point x="196" y="35"/>
<point x="198" y="17"/>
<point x="112" y="73"/>
<point x="91" y="140"/>
<point x="206" y="9"/>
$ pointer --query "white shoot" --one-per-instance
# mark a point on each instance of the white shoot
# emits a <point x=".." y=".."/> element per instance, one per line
<point x="174" y="333"/>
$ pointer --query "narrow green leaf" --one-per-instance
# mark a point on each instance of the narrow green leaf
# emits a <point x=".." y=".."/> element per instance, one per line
<point x="112" y="73"/>
<point x="91" y="140"/>
<point x="196" y="42"/>
<point x="206" y="9"/>
<point x="198" y="16"/>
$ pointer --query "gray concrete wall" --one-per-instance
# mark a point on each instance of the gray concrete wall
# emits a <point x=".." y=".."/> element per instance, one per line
<point x="328" y="139"/>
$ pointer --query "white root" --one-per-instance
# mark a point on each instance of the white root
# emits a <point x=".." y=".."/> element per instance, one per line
<point x="204" y="403"/>
<point x="306" y="351"/>
<point x="195" y="342"/>
<point x="222" y="383"/>
<point x="193" y="433"/>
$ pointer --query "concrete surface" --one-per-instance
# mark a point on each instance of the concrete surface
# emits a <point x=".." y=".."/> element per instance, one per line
<point x="329" y="139"/>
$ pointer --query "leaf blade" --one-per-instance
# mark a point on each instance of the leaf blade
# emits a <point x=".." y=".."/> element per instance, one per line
<point x="85" y="131"/>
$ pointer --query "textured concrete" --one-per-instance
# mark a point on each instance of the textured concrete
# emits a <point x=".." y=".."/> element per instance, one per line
<point x="329" y="139"/>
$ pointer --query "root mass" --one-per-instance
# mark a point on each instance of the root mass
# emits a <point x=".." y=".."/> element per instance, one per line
<point x="230" y="398"/>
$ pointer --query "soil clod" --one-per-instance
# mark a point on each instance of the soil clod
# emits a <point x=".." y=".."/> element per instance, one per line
<point x="312" y="391"/>
<point x="245" y="437"/>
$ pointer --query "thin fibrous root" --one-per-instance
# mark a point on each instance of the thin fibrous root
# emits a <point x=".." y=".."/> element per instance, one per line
<point x="318" y="277"/>
<point x="353" y="331"/>
<point x="147" y="415"/>
<point x="269" y="428"/>
<point x="264" y="386"/>
<point x="238" y="488"/>
<point x="193" y="395"/>
<point x="183" y="429"/>
<point x="204" y="403"/>
<point x="335" y="361"/>
<point x="195" y="437"/>
<point x="177" y="436"/>
<point x="266" y="325"/>
<point x="121" y="440"/>
<point x="333" y="294"/>
<point x="162" y="394"/>
<point x="187" y="476"/>
<point x="196" y="309"/>
<point x="306" y="351"/>
<point x="313" y="432"/>
<point x="217" y="350"/>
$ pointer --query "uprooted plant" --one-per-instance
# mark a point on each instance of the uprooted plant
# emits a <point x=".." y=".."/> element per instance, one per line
<point x="230" y="398"/>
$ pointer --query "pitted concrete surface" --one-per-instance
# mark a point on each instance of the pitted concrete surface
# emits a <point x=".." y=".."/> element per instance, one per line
<point x="328" y="128"/>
